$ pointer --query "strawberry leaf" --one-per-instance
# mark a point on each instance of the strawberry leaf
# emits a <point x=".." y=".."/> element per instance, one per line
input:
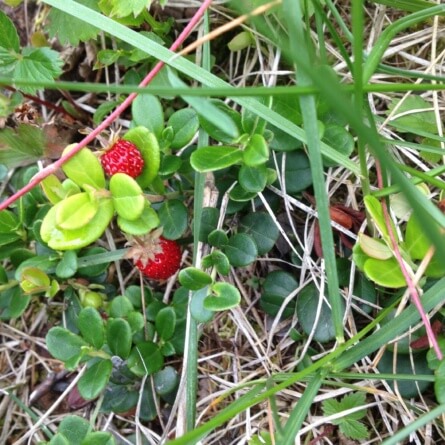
<point x="122" y="9"/>
<point x="9" y="39"/>
<point x="70" y="30"/>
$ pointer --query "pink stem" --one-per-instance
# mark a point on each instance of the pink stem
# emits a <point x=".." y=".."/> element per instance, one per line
<point x="411" y="286"/>
<point x="39" y="177"/>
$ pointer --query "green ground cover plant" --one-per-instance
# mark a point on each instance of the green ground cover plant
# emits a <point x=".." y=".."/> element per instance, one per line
<point x="262" y="262"/>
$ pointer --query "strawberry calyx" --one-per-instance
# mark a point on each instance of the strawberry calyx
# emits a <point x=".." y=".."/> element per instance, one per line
<point x="145" y="248"/>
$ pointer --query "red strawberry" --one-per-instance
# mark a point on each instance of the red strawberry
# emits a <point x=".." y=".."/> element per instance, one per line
<point x="122" y="157"/>
<point x="156" y="257"/>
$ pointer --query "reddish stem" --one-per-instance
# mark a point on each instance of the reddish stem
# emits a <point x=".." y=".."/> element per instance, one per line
<point x="415" y="297"/>
<point x="50" y="169"/>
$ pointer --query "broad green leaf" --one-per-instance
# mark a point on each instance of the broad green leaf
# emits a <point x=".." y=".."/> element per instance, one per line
<point x="194" y="279"/>
<point x="224" y="296"/>
<point x="76" y="211"/>
<point x="166" y="380"/>
<point x="386" y="273"/>
<point x="145" y="359"/>
<point x="297" y="173"/>
<point x="93" y="382"/>
<point x="165" y="323"/>
<point x="74" y="428"/>
<point x="21" y="145"/>
<point x="262" y="228"/>
<point x="9" y="39"/>
<point x="136" y="321"/>
<point x="221" y="262"/>
<point x="65" y="346"/>
<point x="123" y="9"/>
<point x="173" y="216"/>
<point x="91" y="326"/>
<point x="84" y="168"/>
<point x="256" y="151"/>
<point x="53" y="189"/>
<point x="147" y="221"/>
<point x="170" y="164"/>
<point x="417" y="115"/>
<point x="120" y="307"/>
<point x="406" y="365"/>
<point x="9" y="222"/>
<point x="417" y="242"/>
<point x="185" y="124"/>
<point x="340" y="139"/>
<point x="67" y="266"/>
<point x="218" y="238"/>
<point x="119" y="337"/>
<point x="354" y="430"/>
<point x="374" y="248"/>
<point x="39" y="64"/>
<point x="253" y="179"/>
<point x="241" y="250"/>
<point x="75" y="239"/>
<point x="13" y="302"/>
<point x="148" y="145"/>
<point x="206" y="159"/>
<point x="127" y="196"/>
<point x="307" y="308"/>
<point x="69" y="29"/>
<point x="147" y="112"/>
<point x="99" y="438"/>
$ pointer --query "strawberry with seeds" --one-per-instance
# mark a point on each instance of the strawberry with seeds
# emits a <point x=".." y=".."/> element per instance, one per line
<point x="122" y="157"/>
<point x="155" y="256"/>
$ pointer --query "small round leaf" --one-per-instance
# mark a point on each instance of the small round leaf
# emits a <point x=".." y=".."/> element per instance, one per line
<point x="165" y="322"/>
<point x="173" y="217"/>
<point x="224" y="296"/>
<point x="193" y="279"/>
<point x="185" y="124"/>
<point x="252" y="179"/>
<point x="127" y="196"/>
<point x="241" y="250"/>
<point x="147" y="221"/>
<point x="262" y="228"/>
<point x="119" y="337"/>
<point x="91" y="326"/>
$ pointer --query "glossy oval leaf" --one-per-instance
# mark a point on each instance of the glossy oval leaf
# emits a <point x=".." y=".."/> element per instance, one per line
<point x="165" y="323"/>
<point x="208" y="159"/>
<point x="65" y="346"/>
<point x="76" y="211"/>
<point x="307" y="307"/>
<point x="120" y="307"/>
<point x="145" y="359"/>
<point x="67" y="266"/>
<point x="253" y="179"/>
<point x="59" y="239"/>
<point x="148" y="145"/>
<point x="262" y="228"/>
<point x="84" y="168"/>
<point x="127" y="196"/>
<point x="173" y="216"/>
<point x="95" y="379"/>
<point x="241" y="250"/>
<point x="340" y="139"/>
<point x="185" y="124"/>
<point x="193" y="279"/>
<point x="224" y="296"/>
<point x="146" y="222"/>
<point x="256" y="151"/>
<point x="119" y="337"/>
<point x="277" y="286"/>
<point x="297" y="173"/>
<point x="386" y="273"/>
<point x="74" y="428"/>
<point x="147" y="112"/>
<point x="91" y="326"/>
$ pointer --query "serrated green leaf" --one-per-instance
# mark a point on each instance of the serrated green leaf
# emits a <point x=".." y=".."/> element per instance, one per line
<point x="22" y="145"/>
<point x="208" y="159"/>
<point x="9" y="38"/>
<point x="96" y="377"/>
<point x="123" y="9"/>
<point x="354" y="429"/>
<point x="39" y="64"/>
<point x="70" y="30"/>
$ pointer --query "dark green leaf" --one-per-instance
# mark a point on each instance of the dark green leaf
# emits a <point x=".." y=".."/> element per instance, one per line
<point x="91" y="326"/>
<point x="252" y="179"/>
<point x="297" y="172"/>
<point x="340" y="139"/>
<point x="13" y="302"/>
<point x="93" y="382"/>
<point x="67" y="266"/>
<point x="256" y="151"/>
<point x="120" y="307"/>
<point x="209" y="221"/>
<point x="165" y="323"/>
<point x="277" y="286"/>
<point x="173" y="216"/>
<point x="208" y="159"/>
<point x="9" y="39"/>
<point x="193" y="279"/>
<point x="145" y="358"/>
<point x="439" y="383"/>
<point x="307" y="308"/>
<point x="241" y="250"/>
<point x="262" y="228"/>
<point x="65" y="346"/>
<point x="96" y="269"/>
<point x="147" y="111"/>
<point x="169" y="165"/>
<point x="218" y="238"/>
<point x="8" y="222"/>
<point x="197" y="309"/>
<point x="119" y="337"/>
<point x="74" y="428"/>
<point x="185" y="124"/>
<point x="166" y="380"/>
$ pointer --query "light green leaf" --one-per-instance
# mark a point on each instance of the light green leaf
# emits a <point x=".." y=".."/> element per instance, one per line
<point x="123" y="8"/>
<point x="208" y="159"/>
<point x="147" y="221"/>
<point x="386" y="273"/>
<point x="374" y="248"/>
<point x="70" y="30"/>
<point x="147" y="112"/>
<point x="256" y="151"/>
<point x="76" y="211"/>
<point x="354" y="429"/>
<point x="74" y="428"/>
<point x="9" y="39"/>
<point x="128" y="199"/>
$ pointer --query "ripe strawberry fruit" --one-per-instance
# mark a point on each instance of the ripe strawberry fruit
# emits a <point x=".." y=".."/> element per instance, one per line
<point x="122" y="157"/>
<point x="156" y="257"/>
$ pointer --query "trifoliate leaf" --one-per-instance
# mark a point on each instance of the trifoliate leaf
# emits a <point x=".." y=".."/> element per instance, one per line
<point x="40" y="64"/>
<point x="123" y="9"/>
<point x="70" y="30"/>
